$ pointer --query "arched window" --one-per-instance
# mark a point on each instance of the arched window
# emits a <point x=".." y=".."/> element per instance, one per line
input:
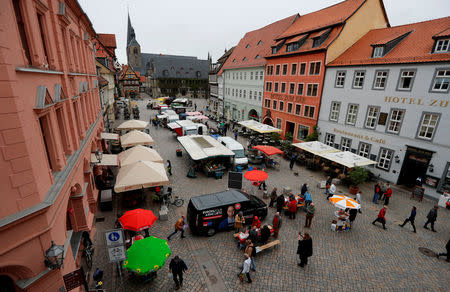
<point x="135" y="50"/>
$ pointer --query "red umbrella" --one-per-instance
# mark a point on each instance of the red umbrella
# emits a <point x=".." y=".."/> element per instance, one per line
<point x="137" y="219"/>
<point x="256" y="175"/>
<point x="268" y="150"/>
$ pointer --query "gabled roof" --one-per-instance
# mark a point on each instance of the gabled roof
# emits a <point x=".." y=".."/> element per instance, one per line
<point x="444" y="33"/>
<point x="414" y="48"/>
<point x="127" y="68"/>
<point x="246" y="56"/>
<point x="221" y="61"/>
<point x="330" y="16"/>
<point x="107" y="39"/>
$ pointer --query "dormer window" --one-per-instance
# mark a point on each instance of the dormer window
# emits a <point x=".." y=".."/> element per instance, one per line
<point x="274" y="50"/>
<point x="244" y="59"/>
<point x="378" y="52"/>
<point x="234" y="60"/>
<point x="258" y="57"/>
<point x="320" y="38"/>
<point x="260" y="43"/>
<point x="442" y="46"/>
<point x="247" y="46"/>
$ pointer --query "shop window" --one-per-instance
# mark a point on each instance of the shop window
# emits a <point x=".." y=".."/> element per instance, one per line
<point x="302" y="132"/>
<point x="46" y="132"/>
<point x="428" y="126"/>
<point x="385" y="158"/>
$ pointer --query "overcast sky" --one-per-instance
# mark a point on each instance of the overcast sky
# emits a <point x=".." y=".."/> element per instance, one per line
<point x="196" y="27"/>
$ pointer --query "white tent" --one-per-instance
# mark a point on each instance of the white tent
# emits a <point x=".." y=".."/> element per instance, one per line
<point x="315" y="147"/>
<point x="133" y="125"/>
<point x="141" y="174"/>
<point x="138" y="153"/>
<point x="107" y="160"/>
<point x="348" y="159"/>
<point x="134" y="138"/>
<point x="201" y="147"/>
<point x="259" y="127"/>
<point x="110" y="136"/>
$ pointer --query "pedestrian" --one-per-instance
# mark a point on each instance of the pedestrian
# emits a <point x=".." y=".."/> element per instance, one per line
<point x="329" y="181"/>
<point x="447" y="247"/>
<point x="246" y="269"/>
<point x="177" y="267"/>
<point x="381" y="217"/>
<point x="304" y="249"/>
<point x="253" y="234"/>
<point x="239" y="221"/>
<point x="352" y="216"/>
<point x="292" y="208"/>
<point x="280" y="203"/>
<point x="273" y="197"/>
<point x="383" y="190"/>
<point x="376" y="192"/>
<point x="308" y="199"/>
<point x="310" y="211"/>
<point x="293" y="159"/>
<point x="304" y="189"/>
<point x="262" y="184"/>
<point x="276" y="224"/>
<point x="411" y="218"/>
<point x="235" y="134"/>
<point x="256" y="222"/>
<point x="331" y="191"/>
<point x="358" y="199"/>
<point x="195" y="106"/>
<point x="169" y="167"/>
<point x="388" y="194"/>
<point x="251" y="252"/>
<point x="265" y="234"/>
<point x="179" y="226"/>
<point x="431" y="218"/>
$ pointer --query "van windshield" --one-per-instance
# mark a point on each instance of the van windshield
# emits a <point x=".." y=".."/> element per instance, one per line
<point x="239" y="153"/>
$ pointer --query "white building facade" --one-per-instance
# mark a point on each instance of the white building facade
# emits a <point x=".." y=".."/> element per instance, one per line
<point x="243" y="90"/>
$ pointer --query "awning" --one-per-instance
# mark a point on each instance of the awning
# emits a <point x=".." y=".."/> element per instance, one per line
<point x="268" y="150"/>
<point x="134" y="138"/>
<point x="133" y="125"/>
<point x="180" y="100"/>
<point x="110" y="136"/>
<point x="259" y="127"/>
<point x="315" y="147"/>
<point x="107" y="159"/>
<point x="348" y="159"/>
<point x="139" y="153"/>
<point x="141" y="174"/>
<point x="202" y="147"/>
<point x="193" y="113"/>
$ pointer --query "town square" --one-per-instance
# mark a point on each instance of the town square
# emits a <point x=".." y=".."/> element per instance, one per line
<point x="310" y="152"/>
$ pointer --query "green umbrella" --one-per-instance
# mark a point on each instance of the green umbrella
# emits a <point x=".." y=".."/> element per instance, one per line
<point x="146" y="255"/>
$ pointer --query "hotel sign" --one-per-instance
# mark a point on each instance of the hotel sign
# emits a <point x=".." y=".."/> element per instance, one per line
<point x="360" y="136"/>
<point x="417" y="101"/>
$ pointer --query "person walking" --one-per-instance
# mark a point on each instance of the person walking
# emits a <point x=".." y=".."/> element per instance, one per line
<point x="177" y="267"/>
<point x="246" y="268"/>
<point x="310" y="211"/>
<point x="308" y="199"/>
<point x="292" y="208"/>
<point x="179" y="226"/>
<point x="251" y="252"/>
<point x="273" y="197"/>
<point x="235" y="134"/>
<point x="276" y="224"/>
<point x="381" y="217"/>
<point x="431" y="218"/>
<point x="280" y="203"/>
<point x="376" y="192"/>
<point x="358" y="199"/>
<point x="447" y="247"/>
<point x="411" y="218"/>
<point x="256" y="222"/>
<point x="239" y="221"/>
<point x="388" y="194"/>
<point x="304" y="249"/>
<point x="169" y="167"/>
<point x="331" y="191"/>
<point x="293" y="159"/>
<point x="195" y="106"/>
<point x="352" y="216"/>
<point x="304" y="189"/>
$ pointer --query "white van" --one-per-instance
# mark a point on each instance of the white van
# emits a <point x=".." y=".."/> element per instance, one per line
<point x="239" y="153"/>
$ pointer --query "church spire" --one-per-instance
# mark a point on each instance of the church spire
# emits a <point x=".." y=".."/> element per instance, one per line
<point x="130" y="31"/>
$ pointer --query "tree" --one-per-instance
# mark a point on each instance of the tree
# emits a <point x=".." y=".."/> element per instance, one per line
<point x="313" y="136"/>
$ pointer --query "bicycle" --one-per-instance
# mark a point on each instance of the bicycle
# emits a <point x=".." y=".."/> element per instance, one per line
<point x="168" y="200"/>
<point x="88" y="252"/>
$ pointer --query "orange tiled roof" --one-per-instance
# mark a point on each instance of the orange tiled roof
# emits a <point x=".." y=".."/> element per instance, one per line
<point x="142" y="78"/>
<point x="266" y="35"/>
<point x="329" y="16"/>
<point x="415" y="48"/>
<point x="107" y="39"/>
<point x="443" y="33"/>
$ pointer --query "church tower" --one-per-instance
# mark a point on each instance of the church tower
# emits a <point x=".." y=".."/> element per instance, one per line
<point x="133" y="48"/>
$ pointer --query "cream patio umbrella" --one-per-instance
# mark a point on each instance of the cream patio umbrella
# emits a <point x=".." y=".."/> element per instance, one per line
<point x="348" y="159"/>
<point x="133" y="125"/>
<point x="139" y="175"/>
<point x="134" y="138"/>
<point x="138" y="153"/>
<point x="315" y="147"/>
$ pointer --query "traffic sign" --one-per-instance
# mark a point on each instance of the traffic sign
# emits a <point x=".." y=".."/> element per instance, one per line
<point x="117" y="253"/>
<point x="114" y="237"/>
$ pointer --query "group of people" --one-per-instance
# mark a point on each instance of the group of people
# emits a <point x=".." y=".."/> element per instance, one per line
<point x="382" y="192"/>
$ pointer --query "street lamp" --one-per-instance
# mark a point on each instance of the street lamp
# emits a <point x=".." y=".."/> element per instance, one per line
<point x="98" y="155"/>
<point x="54" y="256"/>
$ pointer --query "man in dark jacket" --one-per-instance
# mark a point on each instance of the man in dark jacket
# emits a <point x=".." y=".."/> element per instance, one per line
<point x="447" y="247"/>
<point x="280" y="203"/>
<point x="410" y="219"/>
<point x="177" y="266"/>
<point x="265" y="234"/>
<point x="304" y="189"/>
<point x="273" y="197"/>
<point x="304" y="249"/>
<point x="432" y="216"/>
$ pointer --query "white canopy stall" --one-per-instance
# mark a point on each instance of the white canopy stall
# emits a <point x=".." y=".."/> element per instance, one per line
<point x="315" y="147"/>
<point x="259" y="127"/>
<point x="133" y="125"/>
<point x="348" y="159"/>
<point x="201" y="147"/>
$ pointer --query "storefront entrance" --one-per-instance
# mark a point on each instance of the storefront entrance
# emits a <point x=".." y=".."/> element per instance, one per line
<point x="415" y="165"/>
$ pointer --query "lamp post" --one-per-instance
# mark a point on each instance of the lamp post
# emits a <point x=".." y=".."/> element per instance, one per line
<point x="54" y="256"/>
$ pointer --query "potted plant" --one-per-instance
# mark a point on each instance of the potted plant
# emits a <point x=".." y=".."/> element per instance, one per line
<point x="357" y="176"/>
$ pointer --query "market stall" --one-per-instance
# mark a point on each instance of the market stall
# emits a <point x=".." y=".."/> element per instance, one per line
<point x="132" y="125"/>
<point x="138" y="153"/>
<point x="315" y="147"/>
<point x="140" y="175"/>
<point x="267" y="152"/>
<point x="134" y="138"/>
<point x="343" y="203"/>
<point x="259" y="127"/>
<point x="206" y="154"/>
<point x="348" y="159"/>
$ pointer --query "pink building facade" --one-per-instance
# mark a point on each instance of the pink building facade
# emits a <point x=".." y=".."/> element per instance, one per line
<point x="50" y="123"/>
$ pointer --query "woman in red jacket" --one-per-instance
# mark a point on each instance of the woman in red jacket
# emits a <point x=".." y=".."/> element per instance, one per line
<point x="292" y="208"/>
<point x="381" y="217"/>
<point x="256" y="222"/>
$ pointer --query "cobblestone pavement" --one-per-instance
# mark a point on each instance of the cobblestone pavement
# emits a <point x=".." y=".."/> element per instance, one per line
<point x="367" y="258"/>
